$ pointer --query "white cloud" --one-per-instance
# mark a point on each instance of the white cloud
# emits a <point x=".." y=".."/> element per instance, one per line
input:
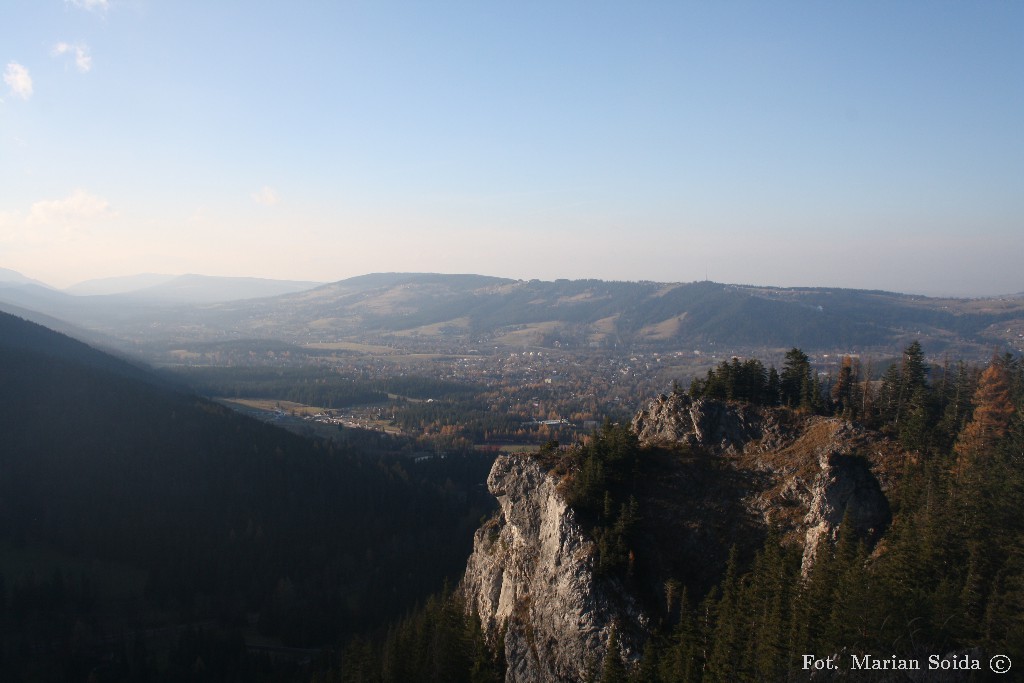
<point x="267" y="196"/>
<point x="92" y="5"/>
<point x="83" y="60"/>
<point x="76" y="208"/>
<point x="17" y="79"/>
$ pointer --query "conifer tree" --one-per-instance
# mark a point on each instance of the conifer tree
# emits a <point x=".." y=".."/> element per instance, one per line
<point x="647" y="672"/>
<point x="915" y="430"/>
<point x="842" y="390"/>
<point x="957" y="390"/>
<point x="851" y="608"/>
<point x="682" y="661"/>
<point x="795" y="380"/>
<point x="612" y="668"/>
<point x="912" y="380"/>
<point x="914" y="370"/>
<point x="991" y="418"/>
<point x="728" y="625"/>
<point x="772" y="387"/>
<point x="767" y="601"/>
<point x="1004" y="618"/>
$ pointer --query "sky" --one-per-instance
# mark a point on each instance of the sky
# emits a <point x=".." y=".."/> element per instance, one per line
<point x="858" y="144"/>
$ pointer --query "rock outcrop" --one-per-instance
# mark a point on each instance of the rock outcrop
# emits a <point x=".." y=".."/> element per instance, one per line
<point x="531" y="578"/>
<point x="717" y="474"/>
<point x="676" y="419"/>
<point x="811" y="471"/>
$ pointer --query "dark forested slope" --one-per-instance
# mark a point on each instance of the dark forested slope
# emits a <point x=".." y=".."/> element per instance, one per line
<point x="220" y="518"/>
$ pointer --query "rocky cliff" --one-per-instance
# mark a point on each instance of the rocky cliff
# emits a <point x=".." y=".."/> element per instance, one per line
<point x="531" y="578"/>
<point x="710" y="475"/>
<point x="805" y="473"/>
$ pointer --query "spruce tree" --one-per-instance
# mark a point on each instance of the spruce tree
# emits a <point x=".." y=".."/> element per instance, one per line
<point x="772" y="387"/>
<point x="727" y="637"/>
<point x="612" y="668"/>
<point x="682" y="661"/>
<point x="795" y="380"/>
<point x="842" y="390"/>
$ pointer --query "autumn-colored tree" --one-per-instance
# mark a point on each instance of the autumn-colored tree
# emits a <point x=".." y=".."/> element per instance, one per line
<point x="993" y="409"/>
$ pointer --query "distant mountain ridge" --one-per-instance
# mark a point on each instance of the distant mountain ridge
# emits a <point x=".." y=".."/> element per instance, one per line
<point x="597" y="313"/>
<point x="167" y="288"/>
<point x="467" y="311"/>
<point x="118" y="285"/>
<point x="13" y="277"/>
<point x="190" y="288"/>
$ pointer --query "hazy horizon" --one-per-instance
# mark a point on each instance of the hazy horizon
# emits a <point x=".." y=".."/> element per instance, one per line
<point x="167" y="277"/>
<point x="874" y="146"/>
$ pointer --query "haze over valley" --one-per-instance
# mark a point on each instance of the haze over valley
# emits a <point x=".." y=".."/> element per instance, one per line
<point x="502" y="362"/>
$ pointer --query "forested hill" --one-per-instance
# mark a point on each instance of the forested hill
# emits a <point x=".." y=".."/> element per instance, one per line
<point x="129" y="510"/>
<point x="19" y="335"/>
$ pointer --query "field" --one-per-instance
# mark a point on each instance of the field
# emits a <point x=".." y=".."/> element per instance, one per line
<point x="307" y="420"/>
<point x="272" y="406"/>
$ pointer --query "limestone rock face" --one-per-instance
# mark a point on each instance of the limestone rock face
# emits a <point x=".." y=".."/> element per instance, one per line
<point x="719" y="473"/>
<point x="807" y="472"/>
<point x="677" y="419"/>
<point x="531" y="575"/>
<point x="843" y="485"/>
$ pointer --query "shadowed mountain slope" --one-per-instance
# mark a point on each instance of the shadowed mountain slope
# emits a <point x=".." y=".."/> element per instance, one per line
<point x="212" y="516"/>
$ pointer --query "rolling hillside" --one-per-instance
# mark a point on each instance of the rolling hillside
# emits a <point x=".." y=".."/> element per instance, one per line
<point x="594" y="313"/>
<point x="473" y="311"/>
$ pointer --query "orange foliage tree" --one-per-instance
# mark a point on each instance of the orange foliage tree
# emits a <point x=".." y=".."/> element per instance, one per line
<point x="993" y="409"/>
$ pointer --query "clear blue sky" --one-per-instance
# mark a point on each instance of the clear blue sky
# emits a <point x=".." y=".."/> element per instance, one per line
<point x="854" y="144"/>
